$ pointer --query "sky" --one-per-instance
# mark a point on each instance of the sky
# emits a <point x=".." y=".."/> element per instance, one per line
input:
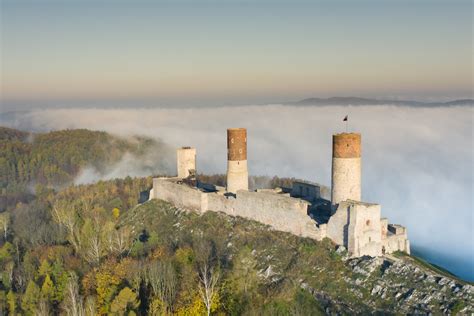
<point x="233" y="52"/>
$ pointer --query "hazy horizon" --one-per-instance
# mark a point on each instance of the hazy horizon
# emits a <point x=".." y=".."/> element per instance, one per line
<point x="233" y="52"/>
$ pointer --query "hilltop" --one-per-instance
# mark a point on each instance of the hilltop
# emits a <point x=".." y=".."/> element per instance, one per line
<point x="354" y="101"/>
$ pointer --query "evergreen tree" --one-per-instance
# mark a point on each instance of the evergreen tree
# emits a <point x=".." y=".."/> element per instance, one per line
<point x="30" y="298"/>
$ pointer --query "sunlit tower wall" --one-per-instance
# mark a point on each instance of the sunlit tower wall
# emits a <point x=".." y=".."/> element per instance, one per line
<point x="346" y="167"/>
<point x="186" y="161"/>
<point x="237" y="172"/>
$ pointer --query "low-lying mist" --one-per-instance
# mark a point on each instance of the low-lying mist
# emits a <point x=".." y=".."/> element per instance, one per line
<point x="417" y="162"/>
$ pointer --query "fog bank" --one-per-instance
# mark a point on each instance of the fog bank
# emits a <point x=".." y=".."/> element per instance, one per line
<point x="417" y="162"/>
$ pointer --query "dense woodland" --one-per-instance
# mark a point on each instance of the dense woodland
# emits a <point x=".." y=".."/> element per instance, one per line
<point x="32" y="162"/>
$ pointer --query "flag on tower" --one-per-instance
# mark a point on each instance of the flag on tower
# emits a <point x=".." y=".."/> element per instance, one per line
<point x="345" y="118"/>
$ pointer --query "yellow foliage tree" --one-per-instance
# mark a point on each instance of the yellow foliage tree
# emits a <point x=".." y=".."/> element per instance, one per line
<point x="47" y="289"/>
<point x="107" y="279"/>
<point x="45" y="268"/>
<point x="11" y="301"/>
<point x="30" y="298"/>
<point x="116" y="213"/>
<point x="197" y="307"/>
<point x="124" y="302"/>
<point x="156" y="307"/>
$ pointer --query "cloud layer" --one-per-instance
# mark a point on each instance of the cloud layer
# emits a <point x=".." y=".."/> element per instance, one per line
<point x="417" y="162"/>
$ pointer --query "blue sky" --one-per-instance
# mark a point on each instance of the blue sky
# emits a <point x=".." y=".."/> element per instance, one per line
<point x="234" y="51"/>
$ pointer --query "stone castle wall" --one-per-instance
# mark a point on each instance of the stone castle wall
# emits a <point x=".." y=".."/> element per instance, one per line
<point x="355" y="225"/>
<point x="178" y="194"/>
<point x="280" y="212"/>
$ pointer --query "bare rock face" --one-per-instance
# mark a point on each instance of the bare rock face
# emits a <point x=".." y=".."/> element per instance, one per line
<point x="414" y="289"/>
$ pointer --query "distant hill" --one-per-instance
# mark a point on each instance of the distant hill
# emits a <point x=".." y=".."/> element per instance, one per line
<point x="54" y="159"/>
<point x="354" y="101"/>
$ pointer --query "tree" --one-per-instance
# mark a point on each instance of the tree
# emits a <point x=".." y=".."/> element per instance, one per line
<point x="64" y="213"/>
<point x="90" y="306"/>
<point x="162" y="277"/>
<point x="45" y="268"/>
<point x="43" y="308"/>
<point x="207" y="267"/>
<point x="47" y="289"/>
<point x="116" y="213"/>
<point x="73" y="304"/>
<point x="11" y="301"/>
<point x="124" y="302"/>
<point x="5" y="224"/>
<point x="30" y="299"/>
<point x="208" y="277"/>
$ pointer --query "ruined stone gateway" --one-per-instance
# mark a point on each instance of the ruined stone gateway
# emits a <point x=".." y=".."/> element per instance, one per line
<point x="300" y="210"/>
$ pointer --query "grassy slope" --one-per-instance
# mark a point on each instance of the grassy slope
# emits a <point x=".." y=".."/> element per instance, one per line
<point x="275" y="263"/>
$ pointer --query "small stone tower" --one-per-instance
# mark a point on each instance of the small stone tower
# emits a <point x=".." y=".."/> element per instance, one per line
<point x="346" y="167"/>
<point x="237" y="173"/>
<point x="186" y="161"/>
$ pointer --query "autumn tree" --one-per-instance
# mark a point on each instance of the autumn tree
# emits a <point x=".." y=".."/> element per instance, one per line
<point x="64" y="213"/>
<point x="73" y="304"/>
<point x="124" y="302"/>
<point x="30" y="299"/>
<point x="5" y="224"/>
<point x="47" y="289"/>
<point x="161" y="275"/>
<point x="209" y="275"/>
<point x="11" y="302"/>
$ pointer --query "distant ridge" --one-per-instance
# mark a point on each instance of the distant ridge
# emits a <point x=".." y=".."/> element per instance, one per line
<point x="364" y="101"/>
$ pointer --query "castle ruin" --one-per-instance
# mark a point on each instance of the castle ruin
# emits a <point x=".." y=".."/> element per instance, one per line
<point x="300" y="210"/>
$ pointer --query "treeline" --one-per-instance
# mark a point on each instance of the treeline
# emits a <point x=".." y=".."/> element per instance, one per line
<point x="30" y="161"/>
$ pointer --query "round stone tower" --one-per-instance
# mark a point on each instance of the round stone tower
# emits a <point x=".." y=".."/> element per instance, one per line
<point x="346" y="167"/>
<point x="237" y="173"/>
<point x="186" y="161"/>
